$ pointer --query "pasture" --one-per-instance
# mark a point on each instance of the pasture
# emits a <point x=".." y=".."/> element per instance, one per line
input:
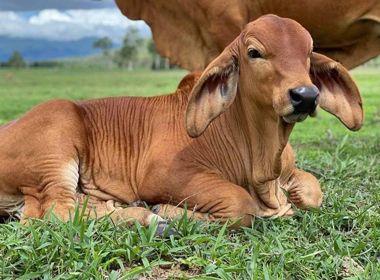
<point x="340" y="240"/>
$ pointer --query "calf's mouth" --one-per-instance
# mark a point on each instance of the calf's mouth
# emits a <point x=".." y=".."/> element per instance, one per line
<point x="298" y="116"/>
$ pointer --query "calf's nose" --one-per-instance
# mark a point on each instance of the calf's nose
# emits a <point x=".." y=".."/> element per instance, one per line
<point x="304" y="99"/>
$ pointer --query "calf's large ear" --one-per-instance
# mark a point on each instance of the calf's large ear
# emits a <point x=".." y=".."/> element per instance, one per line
<point x="214" y="92"/>
<point x="339" y="94"/>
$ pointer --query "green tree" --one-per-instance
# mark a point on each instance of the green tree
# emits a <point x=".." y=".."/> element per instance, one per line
<point x="105" y="44"/>
<point x="16" y="60"/>
<point x="128" y="52"/>
<point x="158" y="62"/>
<point x="155" y="56"/>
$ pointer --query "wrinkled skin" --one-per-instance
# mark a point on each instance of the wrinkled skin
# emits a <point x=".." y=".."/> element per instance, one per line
<point x="192" y="33"/>
<point x="218" y="145"/>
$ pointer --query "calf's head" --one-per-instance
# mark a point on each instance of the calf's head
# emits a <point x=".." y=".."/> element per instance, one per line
<point x="273" y="68"/>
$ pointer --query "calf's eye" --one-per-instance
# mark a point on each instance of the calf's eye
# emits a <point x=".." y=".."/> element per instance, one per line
<point x="252" y="53"/>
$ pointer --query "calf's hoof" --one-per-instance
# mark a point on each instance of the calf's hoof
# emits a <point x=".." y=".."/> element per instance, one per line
<point x="164" y="229"/>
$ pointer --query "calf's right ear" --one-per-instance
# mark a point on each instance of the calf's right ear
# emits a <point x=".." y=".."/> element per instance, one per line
<point x="214" y="92"/>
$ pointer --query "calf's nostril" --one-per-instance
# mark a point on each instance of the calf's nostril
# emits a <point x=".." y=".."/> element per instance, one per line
<point x="295" y="96"/>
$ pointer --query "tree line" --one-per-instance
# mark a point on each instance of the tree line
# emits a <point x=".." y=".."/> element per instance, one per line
<point x="128" y="54"/>
<point x="134" y="51"/>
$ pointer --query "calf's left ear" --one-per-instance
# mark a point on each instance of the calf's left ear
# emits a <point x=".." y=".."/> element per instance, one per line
<point x="339" y="94"/>
<point x="214" y="92"/>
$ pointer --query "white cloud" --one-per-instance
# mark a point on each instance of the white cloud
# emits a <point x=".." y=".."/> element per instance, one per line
<point x="49" y="16"/>
<point x="67" y="25"/>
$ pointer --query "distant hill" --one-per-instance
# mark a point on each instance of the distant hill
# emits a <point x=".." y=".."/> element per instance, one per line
<point x="37" y="49"/>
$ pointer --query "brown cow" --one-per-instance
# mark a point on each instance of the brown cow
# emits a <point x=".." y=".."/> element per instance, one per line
<point x="239" y="113"/>
<point x="192" y="33"/>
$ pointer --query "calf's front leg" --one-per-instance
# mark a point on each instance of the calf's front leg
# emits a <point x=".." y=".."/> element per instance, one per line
<point x="304" y="190"/>
<point x="97" y="208"/>
<point x="215" y="199"/>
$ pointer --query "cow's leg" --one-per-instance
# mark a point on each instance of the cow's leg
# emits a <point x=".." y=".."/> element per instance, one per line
<point x="32" y="208"/>
<point x="39" y="156"/>
<point x="132" y="214"/>
<point x="56" y="188"/>
<point x="302" y="187"/>
<point x="168" y="211"/>
<point x="143" y="216"/>
<point x="304" y="190"/>
<point x="270" y="192"/>
<point x="216" y="199"/>
<point x="97" y="208"/>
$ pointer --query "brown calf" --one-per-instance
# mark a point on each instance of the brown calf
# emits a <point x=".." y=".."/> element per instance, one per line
<point x="239" y="113"/>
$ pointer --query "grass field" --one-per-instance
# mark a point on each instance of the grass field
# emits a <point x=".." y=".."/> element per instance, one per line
<point x="340" y="240"/>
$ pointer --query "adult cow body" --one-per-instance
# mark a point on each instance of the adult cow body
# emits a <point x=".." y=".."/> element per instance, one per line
<point x="192" y="33"/>
<point x="239" y="113"/>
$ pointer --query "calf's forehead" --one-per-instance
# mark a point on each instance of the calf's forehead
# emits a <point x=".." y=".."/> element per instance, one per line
<point x="278" y="35"/>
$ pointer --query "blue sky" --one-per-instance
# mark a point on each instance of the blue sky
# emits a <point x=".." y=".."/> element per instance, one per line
<point x="63" y="20"/>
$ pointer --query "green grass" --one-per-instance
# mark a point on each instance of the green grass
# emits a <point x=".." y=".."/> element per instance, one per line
<point x="311" y="245"/>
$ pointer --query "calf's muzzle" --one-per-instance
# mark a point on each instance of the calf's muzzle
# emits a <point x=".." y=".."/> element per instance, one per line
<point x="304" y="99"/>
